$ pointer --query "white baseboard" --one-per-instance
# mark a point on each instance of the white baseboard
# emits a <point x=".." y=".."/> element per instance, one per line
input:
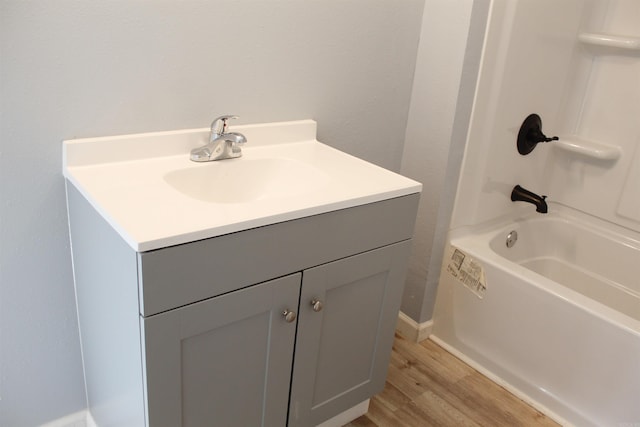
<point x="90" y="421"/>
<point x="84" y="418"/>
<point x="78" y="419"/>
<point x="412" y="330"/>
<point x="347" y="416"/>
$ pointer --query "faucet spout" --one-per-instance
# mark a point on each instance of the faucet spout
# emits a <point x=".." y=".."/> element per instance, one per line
<point x="222" y="144"/>
<point x="520" y="194"/>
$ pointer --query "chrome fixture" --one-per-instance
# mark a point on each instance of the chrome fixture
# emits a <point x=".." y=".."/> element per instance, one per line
<point x="512" y="238"/>
<point x="520" y="194"/>
<point x="530" y="134"/>
<point x="316" y="304"/>
<point x="222" y="144"/>
<point x="289" y="316"/>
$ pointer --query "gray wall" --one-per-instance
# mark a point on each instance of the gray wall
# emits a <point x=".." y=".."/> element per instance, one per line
<point x="434" y="99"/>
<point x="91" y="68"/>
<point x="456" y="149"/>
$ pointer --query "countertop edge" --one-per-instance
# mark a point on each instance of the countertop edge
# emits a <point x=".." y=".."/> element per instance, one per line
<point x="179" y="239"/>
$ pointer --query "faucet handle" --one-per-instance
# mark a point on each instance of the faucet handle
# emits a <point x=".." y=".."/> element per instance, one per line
<point x="219" y="125"/>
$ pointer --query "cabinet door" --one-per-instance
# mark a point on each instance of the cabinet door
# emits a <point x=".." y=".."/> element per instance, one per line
<point x="225" y="361"/>
<point x="343" y="350"/>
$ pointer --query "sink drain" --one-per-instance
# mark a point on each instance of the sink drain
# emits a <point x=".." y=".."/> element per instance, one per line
<point x="512" y="238"/>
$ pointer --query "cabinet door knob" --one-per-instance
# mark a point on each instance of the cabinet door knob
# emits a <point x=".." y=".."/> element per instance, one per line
<point x="289" y="316"/>
<point x="316" y="304"/>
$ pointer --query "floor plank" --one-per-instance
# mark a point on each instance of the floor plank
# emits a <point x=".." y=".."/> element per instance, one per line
<point x="427" y="386"/>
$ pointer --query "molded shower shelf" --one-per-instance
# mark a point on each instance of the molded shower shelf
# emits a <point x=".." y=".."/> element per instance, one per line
<point x="611" y="40"/>
<point x="593" y="149"/>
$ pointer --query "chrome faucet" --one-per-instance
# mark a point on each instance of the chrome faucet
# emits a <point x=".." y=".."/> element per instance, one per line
<point x="222" y="144"/>
<point x="520" y="194"/>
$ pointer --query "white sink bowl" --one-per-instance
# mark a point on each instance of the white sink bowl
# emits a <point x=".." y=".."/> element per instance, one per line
<point x="146" y="187"/>
<point x="244" y="180"/>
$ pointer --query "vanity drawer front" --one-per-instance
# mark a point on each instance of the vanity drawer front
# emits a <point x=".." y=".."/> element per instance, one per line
<point x="179" y="275"/>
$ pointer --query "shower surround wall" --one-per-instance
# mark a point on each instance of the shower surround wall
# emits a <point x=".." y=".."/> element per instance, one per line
<point x="556" y="334"/>
<point x="586" y="94"/>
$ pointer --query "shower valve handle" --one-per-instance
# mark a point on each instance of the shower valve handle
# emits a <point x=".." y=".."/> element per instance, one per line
<point x="530" y="134"/>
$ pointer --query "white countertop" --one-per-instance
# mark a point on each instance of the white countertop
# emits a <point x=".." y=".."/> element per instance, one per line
<point x="125" y="179"/>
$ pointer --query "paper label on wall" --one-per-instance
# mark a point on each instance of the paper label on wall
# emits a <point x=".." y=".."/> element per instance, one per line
<point x="466" y="270"/>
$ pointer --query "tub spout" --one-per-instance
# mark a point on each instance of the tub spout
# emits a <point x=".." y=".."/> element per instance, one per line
<point x="520" y="194"/>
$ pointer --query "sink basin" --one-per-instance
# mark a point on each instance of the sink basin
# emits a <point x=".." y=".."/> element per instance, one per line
<point x="148" y="190"/>
<point x="245" y="180"/>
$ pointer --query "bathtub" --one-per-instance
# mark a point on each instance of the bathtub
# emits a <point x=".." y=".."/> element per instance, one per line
<point x="555" y="318"/>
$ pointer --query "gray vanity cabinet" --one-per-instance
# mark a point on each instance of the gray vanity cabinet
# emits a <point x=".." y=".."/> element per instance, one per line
<point x="224" y="361"/>
<point x="227" y="361"/>
<point x="194" y="334"/>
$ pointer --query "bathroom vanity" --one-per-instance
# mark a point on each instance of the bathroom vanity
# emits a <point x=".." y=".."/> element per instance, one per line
<point x="199" y="309"/>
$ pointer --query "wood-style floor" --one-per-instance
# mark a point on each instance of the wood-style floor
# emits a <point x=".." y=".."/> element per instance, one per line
<point x="427" y="386"/>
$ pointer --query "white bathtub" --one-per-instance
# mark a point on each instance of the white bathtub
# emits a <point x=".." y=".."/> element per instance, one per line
<point x="559" y="320"/>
